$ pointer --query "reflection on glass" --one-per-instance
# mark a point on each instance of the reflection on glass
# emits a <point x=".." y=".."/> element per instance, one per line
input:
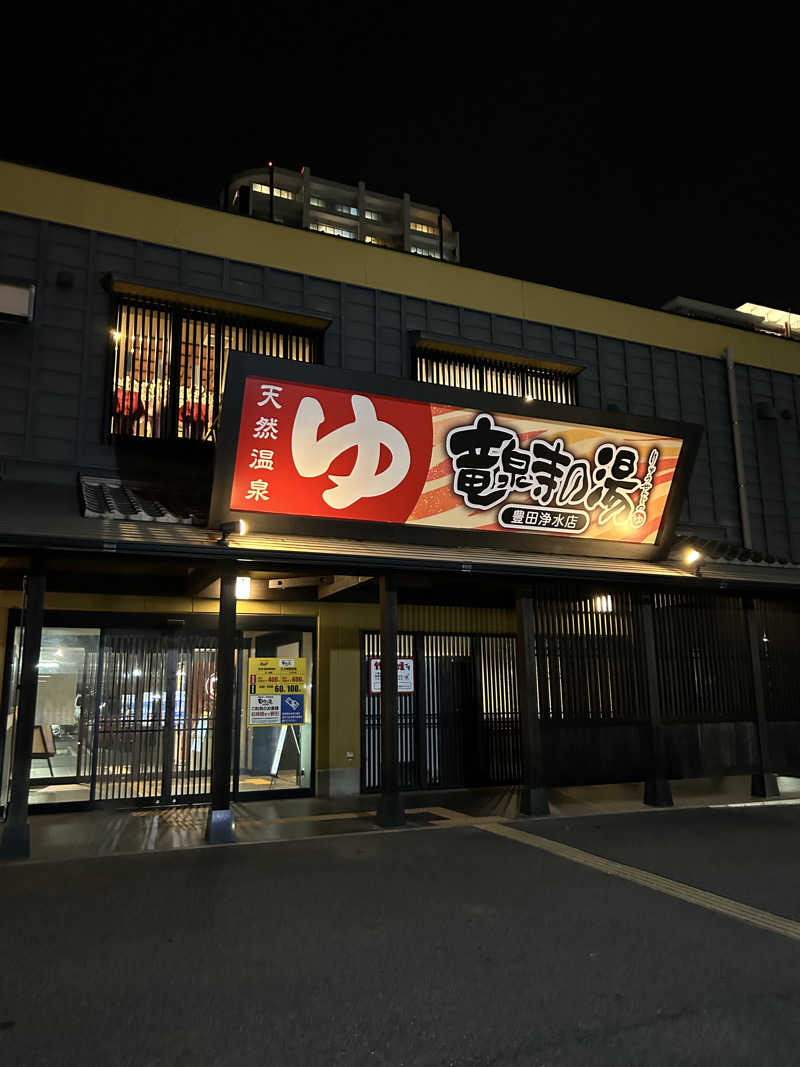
<point x="61" y="759"/>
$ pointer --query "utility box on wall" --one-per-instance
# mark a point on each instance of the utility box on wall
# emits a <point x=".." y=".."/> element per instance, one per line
<point x="17" y="300"/>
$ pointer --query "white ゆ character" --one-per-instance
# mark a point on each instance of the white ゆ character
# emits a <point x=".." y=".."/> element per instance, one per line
<point x="313" y="455"/>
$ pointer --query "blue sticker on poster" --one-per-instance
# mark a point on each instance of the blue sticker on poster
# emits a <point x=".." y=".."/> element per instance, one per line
<point x="292" y="710"/>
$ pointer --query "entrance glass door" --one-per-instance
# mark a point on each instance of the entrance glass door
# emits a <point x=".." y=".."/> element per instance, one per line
<point x="127" y="716"/>
<point x="276" y="756"/>
<point x="155" y="716"/>
<point x="65" y="708"/>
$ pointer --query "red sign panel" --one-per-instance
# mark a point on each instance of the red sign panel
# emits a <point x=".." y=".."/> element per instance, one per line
<point x="332" y="453"/>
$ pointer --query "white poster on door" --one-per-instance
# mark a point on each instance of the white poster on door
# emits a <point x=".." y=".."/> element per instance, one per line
<point x="405" y="675"/>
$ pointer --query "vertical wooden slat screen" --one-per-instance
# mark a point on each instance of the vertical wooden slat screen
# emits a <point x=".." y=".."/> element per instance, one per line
<point x="705" y="673"/>
<point x="779" y="633"/>
<point x="495" y="376"/>
<point x="140" y="402"/>
<point x="154" y="397"/>
<point x="132" y="728"/>
<point x="461" y="725"/>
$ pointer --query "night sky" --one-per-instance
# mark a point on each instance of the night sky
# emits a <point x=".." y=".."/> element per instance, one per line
<point x="633" y="152"/>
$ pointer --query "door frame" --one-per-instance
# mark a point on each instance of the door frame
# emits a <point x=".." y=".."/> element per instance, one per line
<point x="283" y="624"/>
<point x="179" y="622"/>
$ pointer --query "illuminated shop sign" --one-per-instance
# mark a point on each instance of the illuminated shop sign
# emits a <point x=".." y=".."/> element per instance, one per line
<point x="349" y="455"/>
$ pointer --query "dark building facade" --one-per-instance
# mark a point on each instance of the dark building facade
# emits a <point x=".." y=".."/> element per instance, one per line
<point x="112" y="399"/>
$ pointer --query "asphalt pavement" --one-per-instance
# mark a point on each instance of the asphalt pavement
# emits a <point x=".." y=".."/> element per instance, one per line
<point x="431" y="946"/>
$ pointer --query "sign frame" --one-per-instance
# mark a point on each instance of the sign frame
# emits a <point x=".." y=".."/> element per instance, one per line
<point x="242" y="365"/>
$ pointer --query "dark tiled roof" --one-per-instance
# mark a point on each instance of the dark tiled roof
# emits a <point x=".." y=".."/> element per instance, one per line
<point x="110" y="498"/>
<point x="728" y="552"/>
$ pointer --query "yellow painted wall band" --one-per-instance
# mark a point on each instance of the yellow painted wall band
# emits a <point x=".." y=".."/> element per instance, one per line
<point x="41" y="194"/>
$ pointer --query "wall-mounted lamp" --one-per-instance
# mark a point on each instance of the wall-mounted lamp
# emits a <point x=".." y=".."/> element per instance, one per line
<point x="238" y="527"/>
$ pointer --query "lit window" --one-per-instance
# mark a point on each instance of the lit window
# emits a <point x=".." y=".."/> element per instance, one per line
<point x="370" y="240"/>
<point x="430" y="252"/>
<point x="335" y="231"/>
<point x="154" y="398"/>
<point x="373" y="216"/>
<point x="317" y="202"/>
<point x="496" y="375"/>
<point x="284" y="194"/>
<point x="346" y="209"/>
<point x="420" y="227"/>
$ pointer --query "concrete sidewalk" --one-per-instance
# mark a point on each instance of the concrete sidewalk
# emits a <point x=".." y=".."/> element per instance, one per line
<point x="106" y="832"/>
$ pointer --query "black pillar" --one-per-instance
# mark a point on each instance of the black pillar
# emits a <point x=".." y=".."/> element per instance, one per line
<point x="16" y="842"/>
<point x="390" y="806"/>
<point x="657" y="790"/>
<point x="220" y="826"/>
<point x="764" y="783"/>
<point x="533" y="797"/>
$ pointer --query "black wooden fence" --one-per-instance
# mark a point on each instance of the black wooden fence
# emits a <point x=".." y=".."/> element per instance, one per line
<point x="460" y="726"/>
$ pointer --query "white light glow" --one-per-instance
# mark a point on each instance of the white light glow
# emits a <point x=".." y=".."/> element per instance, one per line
<point x="242" y="588"/>
<point x="692" y="556"/>
<point x="603" y="603"/>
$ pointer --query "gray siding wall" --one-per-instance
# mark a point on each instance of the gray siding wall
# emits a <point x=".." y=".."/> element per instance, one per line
<point x="54" y="374"/>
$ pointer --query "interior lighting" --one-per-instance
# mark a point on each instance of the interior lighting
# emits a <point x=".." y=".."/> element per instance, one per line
<point x="116" y="335"/>
<point x="692" y="556"/>
<point x="243" y="588"/>
<point x="603" y="603"/>
<point x="528" y="397"/>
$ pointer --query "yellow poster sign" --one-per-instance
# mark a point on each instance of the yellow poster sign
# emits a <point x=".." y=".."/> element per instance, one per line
<point x="276" y="690"/>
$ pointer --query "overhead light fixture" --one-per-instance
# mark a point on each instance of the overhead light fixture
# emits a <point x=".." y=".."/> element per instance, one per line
<point x="243" y="588"/>
<point x="692" y="556"/>
<point x="603" y="603"/>
<point x="238" y="527"/>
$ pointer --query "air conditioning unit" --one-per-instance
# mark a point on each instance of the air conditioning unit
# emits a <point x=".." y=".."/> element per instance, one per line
<point x="17" y="300"/>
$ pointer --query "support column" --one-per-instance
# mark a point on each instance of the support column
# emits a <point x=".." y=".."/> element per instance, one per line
<point x="765" y="783"/>
<point x="657" y="790"/>
<point x="533" y="795"/>
<point x="16" y="842"/>
<point x="390" y="806"/>
<point x="220" y="828"/>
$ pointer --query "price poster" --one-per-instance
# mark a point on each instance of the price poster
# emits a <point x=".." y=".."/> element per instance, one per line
<point x="276" y="691"/>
